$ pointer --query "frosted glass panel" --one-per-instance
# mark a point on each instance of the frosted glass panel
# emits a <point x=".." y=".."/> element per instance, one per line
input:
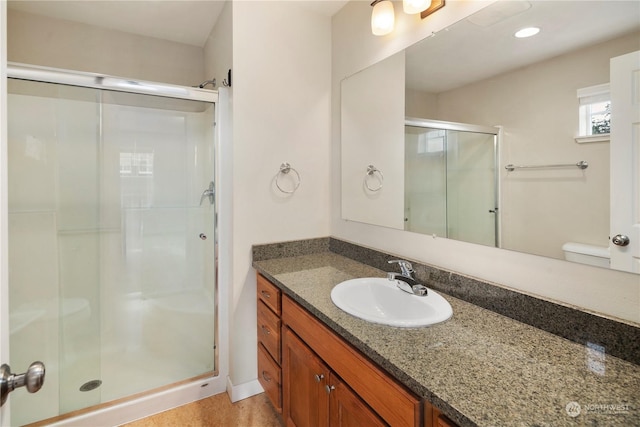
<point x="112" y="256"/>
<point x="471" y="187"/>
<point x="450" y="184"/>
<point x="425" y="181"/>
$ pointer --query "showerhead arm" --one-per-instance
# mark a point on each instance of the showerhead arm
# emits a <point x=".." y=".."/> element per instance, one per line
<point x="206" y="82"/>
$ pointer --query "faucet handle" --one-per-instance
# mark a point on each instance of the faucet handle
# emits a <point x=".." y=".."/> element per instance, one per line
<point x="405" y="266"/>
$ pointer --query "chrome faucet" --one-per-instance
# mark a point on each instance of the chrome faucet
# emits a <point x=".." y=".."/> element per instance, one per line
<point x="405" y="280"/>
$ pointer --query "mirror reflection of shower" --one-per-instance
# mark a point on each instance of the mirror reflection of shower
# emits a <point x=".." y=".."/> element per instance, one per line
<point x="451" y="181"/>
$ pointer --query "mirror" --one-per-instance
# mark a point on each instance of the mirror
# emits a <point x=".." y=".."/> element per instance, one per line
<point x="476" y="74"/>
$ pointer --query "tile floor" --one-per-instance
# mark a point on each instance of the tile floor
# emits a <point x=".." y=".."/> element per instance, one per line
<point x="217" y="410"/>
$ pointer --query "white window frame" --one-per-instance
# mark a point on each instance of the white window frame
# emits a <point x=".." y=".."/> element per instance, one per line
<point x="589" y="96"/>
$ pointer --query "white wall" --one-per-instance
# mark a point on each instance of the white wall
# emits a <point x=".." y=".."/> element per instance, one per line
<point x="218" y="49"/>
<point x="281" y="113"/>
<point x="599" y="290"/>
<point x="39" y="40"/>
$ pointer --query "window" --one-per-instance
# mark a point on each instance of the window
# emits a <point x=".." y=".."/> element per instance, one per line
<point x="595" y="113"/>
<point x="136" y="164"/>
<point x="431" y="142"/>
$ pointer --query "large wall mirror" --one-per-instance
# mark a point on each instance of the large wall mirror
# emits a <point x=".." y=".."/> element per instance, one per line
<point x="478" y="135"/>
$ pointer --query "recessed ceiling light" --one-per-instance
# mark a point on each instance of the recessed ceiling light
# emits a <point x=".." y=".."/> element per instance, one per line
<point x="527" y="32"/>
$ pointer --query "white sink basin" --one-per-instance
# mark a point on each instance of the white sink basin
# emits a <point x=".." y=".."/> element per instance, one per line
<point x="379" y="300"/>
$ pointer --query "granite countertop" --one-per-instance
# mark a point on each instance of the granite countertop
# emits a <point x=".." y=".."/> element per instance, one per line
<point x="480" y="368"/>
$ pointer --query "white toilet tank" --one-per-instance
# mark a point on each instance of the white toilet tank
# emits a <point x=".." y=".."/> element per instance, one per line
<point x="587" y="254"/>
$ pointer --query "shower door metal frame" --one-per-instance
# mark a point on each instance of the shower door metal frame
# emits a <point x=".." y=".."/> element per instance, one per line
<point x="102" y="81"/>
<point x="105" y="82"/>
<point x="465" y="127"/>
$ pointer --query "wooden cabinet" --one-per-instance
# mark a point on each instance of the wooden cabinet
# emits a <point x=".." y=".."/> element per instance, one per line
<point x="316" y="396"/>
<point x="346" y="409"/>
<point x="434" y="418"/>
<point x="388" y="399"/>
<point x="304" y="377"/>
<point x="315" y="378"/>
<point x="269" y="342"/>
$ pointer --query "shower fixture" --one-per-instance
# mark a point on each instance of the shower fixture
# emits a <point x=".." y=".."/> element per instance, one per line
<point x="208" y="193"/>
<point x="206" y="82"/>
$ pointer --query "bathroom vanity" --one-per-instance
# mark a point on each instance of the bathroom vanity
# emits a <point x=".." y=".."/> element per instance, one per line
<point x="314" y="377"/>
<point x="320" y="365"/>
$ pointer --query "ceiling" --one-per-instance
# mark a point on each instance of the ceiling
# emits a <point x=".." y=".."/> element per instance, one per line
<point x="182" y="21"/>
<point x="483" y="45"/>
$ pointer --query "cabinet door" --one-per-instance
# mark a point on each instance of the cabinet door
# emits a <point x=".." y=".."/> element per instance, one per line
<point x="347" y="409"/>
<point x="305" y="398"/>
<point x="434" y="418"/>
<point x="390" y="400"/>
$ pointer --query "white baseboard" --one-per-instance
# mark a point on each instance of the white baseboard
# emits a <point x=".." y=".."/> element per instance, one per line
<point x="243" y="391"/>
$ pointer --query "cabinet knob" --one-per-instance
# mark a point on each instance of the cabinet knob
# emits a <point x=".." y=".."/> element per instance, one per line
<point x="266" y="376"/>
<point x="265" y="330"/>
<point x="329" y="388"/>
<point x="318" y="377"/>
<point x="265" y="294"/>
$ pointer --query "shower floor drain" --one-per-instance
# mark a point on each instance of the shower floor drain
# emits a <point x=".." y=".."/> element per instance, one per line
<point x="90" y="385"/>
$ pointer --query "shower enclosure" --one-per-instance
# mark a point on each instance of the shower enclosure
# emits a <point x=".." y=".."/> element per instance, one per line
<point x="451" y="180"/>
<point x="112" y="239"/>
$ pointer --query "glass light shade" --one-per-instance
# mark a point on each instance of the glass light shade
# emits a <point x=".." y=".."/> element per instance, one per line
<point x="415" y="6"/>
<point x="382" y="18"/>
<point x="527" y="32"/>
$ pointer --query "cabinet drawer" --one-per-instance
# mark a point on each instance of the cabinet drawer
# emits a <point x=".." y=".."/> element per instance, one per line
<point x="269" y="331"/>
<point x="269" y="375"/>
<point x="269" y="294"/>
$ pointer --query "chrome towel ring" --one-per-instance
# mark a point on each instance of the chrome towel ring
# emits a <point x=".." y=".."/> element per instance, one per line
<point x="372" y="171"/>
<point x="285" y="168"/>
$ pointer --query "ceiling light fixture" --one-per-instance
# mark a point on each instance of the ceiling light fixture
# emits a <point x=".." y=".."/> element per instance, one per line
<point x="433" y="6"/>
<point x="411" y="7"/>
<point x="382" y="17"/>
<point x="527" y="32"/>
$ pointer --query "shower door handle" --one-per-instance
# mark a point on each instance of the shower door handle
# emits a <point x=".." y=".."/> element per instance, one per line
<point x="32" y="380"/>
<point x="209" y="192"/>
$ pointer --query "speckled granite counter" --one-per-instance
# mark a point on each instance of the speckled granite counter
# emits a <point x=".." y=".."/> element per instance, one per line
<point x="479" y="368"/>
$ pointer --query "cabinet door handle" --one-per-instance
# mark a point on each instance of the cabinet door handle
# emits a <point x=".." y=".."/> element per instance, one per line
<point x="318" y="377"/>
<point x="265" y="330"/>
<point x="265" y="294"/>
<point x="266" y="376"/>
<point x="329" y="388"/>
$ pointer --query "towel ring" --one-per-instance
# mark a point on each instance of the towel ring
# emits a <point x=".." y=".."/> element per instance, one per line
<point x="285" y="168"/>
<point x="371" y="170"/>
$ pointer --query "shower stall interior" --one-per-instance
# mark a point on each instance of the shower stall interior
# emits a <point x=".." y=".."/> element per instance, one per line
<point x="451" y="180"/>
<point x="112" y="239"/>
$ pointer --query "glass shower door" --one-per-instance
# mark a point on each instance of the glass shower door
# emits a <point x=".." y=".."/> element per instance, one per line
<point x="471" y="187"/>
<point x="111" y="252"/>
<point x="450" y="184"/>
<point x="425" y="181"/>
